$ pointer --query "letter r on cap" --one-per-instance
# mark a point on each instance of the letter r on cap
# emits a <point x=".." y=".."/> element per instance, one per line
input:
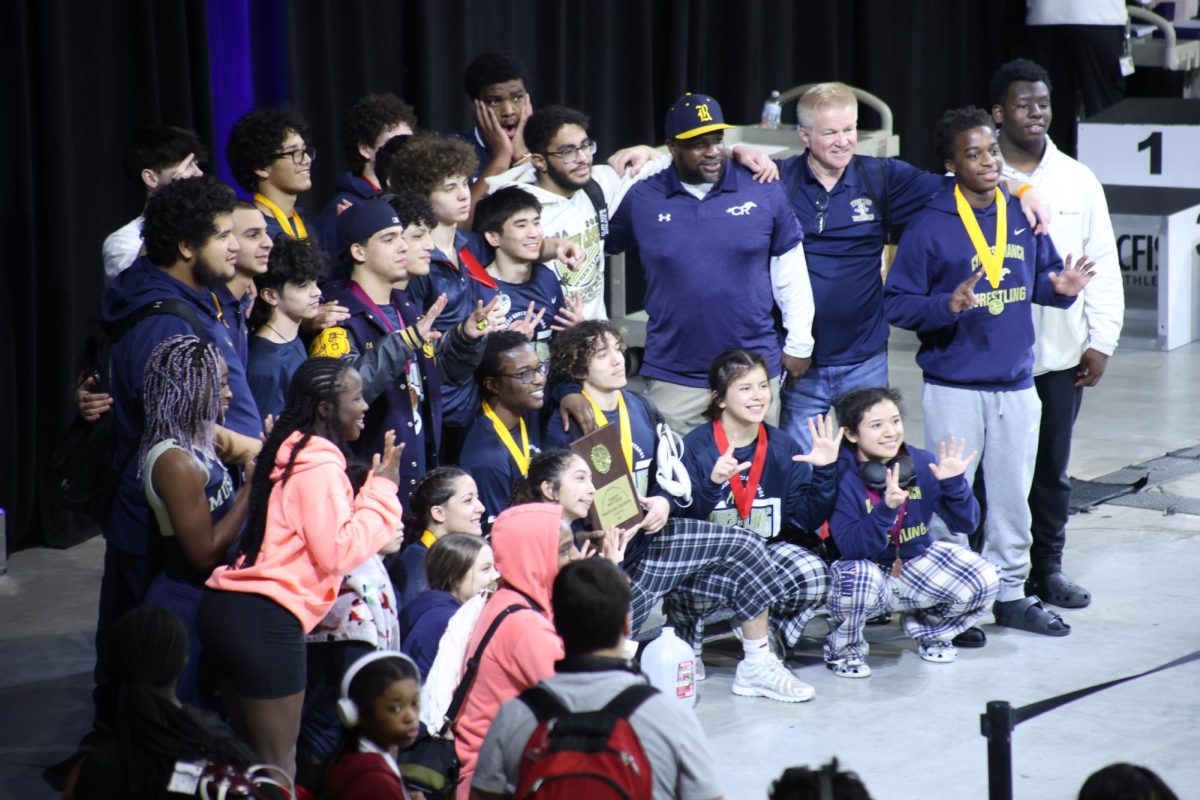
<point x="702" y="113"/>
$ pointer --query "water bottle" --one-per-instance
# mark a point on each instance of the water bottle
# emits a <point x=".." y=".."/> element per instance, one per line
<point x="772" y="111"/>
<point x="670" y="665"/>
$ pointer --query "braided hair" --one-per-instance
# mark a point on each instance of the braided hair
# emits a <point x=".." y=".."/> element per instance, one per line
<point x="150" y="649"/>
<point x="315" y="381"/>
<point x="181" y="393"/>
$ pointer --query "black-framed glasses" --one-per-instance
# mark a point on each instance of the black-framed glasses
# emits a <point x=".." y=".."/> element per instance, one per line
<point x="572" y="153"/>
<point x="298" y="154"/>
<point x="822" y="206"/>
<point x="529" y="375"/>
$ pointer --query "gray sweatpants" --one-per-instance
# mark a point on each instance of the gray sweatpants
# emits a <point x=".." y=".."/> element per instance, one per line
<point x="1003" y="426"/>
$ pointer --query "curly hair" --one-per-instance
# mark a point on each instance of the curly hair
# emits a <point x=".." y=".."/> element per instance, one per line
<point x="294" y="261"/>
<point x="1019" y="69"/>
<point x="315" y="381"/>
<point x="573" y="349"/>
<point x="370" y="116"/>
<point x="159" y="147"/>
<point x="853" y="406"/>
<point x="412" y="208"/>
<point x="547" y="121"/>
<point x="181" y="394"/>
<point x="954" y="122"/>
<point x="184" y="211"/>
<point x="256" y="138"/>
<point x="487" y="69"/>
<point x="497" y="344"/>
<point x="428" y="160"/>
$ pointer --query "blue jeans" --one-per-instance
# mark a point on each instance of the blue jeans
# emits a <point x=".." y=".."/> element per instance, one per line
<point x="816" y="390"/>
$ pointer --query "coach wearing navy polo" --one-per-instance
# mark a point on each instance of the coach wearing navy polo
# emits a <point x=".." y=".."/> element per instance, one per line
<point x="720" y="251"/>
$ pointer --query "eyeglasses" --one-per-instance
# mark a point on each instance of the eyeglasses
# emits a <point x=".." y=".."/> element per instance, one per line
<point x="572" y="153"/>
<point x="822" y="206"/>
<point x="298" y="155"/>
<point x="529" y="375"/>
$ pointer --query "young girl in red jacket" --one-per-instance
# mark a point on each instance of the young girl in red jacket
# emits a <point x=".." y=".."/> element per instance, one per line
<point x="381" y="711"/>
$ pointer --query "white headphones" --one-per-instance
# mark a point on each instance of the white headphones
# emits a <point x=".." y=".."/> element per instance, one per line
<point x="347" y="709"/>
<point x="671" y="473"/>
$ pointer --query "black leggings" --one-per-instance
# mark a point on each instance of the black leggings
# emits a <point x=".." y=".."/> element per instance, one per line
<point x="254" y="641"/>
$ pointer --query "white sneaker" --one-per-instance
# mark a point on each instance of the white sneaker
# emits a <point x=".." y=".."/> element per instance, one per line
<point x="938" y="651"/>
<point x="770" y="678"/>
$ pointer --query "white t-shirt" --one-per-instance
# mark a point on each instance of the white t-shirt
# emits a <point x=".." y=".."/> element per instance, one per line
<point x="575" y="218"/>
<point x="1080" y="225"/>
<point x="121" y="248"/>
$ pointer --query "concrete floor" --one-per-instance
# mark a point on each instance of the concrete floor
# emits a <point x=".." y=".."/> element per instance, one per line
<point x="912" y="729"/>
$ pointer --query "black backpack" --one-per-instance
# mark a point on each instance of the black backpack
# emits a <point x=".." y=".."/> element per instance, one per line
<point x="81" y="475"/>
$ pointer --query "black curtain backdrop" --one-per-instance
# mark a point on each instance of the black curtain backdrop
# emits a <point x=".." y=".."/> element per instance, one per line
<point x="81" y="78"/>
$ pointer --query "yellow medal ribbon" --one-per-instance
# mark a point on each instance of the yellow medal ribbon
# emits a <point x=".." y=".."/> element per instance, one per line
<point x="992" y="259"/>
<point x="300" y="232"/>
<point x="427" y="539"/>
<point x="521" y="455"/>
<point x="622" y="421"/>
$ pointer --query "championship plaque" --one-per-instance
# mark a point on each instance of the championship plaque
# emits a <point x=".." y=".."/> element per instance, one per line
<point x="616" y="499"/>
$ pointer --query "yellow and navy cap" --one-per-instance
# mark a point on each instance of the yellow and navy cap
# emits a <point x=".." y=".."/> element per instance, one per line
<point x="694" y="115"/>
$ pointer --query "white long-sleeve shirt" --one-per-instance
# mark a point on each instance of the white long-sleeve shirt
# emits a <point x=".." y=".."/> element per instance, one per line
<point x="1080" y="225"/>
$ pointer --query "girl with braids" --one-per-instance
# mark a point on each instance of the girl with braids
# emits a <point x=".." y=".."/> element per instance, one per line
<point x="306" y="531"/>
<point x="445" y="500"/>
<point x="153" y="730"/>
<point x="185" y="391"/>
<point x="459" y="566"/>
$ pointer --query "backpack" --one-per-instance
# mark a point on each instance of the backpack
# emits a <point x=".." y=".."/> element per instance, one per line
<point x="592" y="754"/>
<point x="81" y="475"/>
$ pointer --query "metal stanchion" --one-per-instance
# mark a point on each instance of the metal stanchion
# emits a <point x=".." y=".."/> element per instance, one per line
<point x="998" y="726"/>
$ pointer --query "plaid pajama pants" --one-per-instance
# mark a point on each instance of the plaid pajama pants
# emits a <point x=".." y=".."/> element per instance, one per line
<point x="707" y="567"/>
<point x="798" y="579"/>
<point x="940" y="594"/>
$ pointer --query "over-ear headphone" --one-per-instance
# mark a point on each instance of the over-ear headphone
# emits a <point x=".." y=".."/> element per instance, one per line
<point x="670" y="473"/>
<point x="347" y="709"/>
<point x="874" y="474"/>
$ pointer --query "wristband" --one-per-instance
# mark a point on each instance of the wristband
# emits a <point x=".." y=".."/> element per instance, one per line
<point x="1024" y="188"/>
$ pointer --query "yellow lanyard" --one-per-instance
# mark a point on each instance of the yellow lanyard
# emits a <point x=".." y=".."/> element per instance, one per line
<point x="622" y="421"/>
<point x="993" y="259"/>
<point x="521" y="456"/>
<point x="427" y="539"/>
<point x="300" y="231"/>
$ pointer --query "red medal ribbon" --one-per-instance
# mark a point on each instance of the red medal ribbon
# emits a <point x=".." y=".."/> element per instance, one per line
<point x="894" y="534"/>
<point x="475" y="269"/>
<point x="744" y="493"/>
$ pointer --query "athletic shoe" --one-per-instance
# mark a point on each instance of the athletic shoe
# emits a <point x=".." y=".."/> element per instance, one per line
<point x="938" y="651"/>
<point x="849" y="668"/>
<point x="770" y="678"/>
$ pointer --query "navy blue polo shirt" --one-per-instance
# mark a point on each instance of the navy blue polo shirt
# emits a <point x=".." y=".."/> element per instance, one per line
<point x="460" y="401"/>
<point x="707" y="263"/>
<point x="488" y="461"/>
<point x="844" y="258"/>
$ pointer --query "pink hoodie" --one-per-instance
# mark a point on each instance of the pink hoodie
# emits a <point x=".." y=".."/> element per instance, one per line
<point x="525" y="646"/>
<point x="316" y="531"/>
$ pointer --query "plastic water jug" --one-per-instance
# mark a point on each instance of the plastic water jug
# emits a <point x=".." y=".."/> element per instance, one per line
<point x="670" y="665"/>
<point x="772" y="111"/>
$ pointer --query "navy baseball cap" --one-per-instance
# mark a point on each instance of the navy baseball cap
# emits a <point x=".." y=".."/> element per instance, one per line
<point x="694" y="115"/>
<point x="363" y="220"/>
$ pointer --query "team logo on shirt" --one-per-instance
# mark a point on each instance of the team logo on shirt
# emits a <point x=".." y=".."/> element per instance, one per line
<point x="331" y="343"/>
<point x="664" y="217"/>
<point x="742" y="210"/>
<point x="503" y="302"/>
<point x="863" y="211"/>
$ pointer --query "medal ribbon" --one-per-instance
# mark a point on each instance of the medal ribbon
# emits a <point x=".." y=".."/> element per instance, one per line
<point x="894" y="534"/>
<point x="743" y="493"/>
<point x="427" y="539"/>
<point x="299" y="232"/>
<point x="993" y="259"/>
<point x="521" y="456"/>
<point x="475" y="269"/>
<point x="622" y="422"/>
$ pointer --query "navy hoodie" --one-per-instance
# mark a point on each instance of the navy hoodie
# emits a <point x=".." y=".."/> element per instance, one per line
<point x="130" y="521"/>
<point x="792" y="496"/>
<point x="987" y="348"/>
<point x="422" y="623"/>
<point x="860" y="528"/>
